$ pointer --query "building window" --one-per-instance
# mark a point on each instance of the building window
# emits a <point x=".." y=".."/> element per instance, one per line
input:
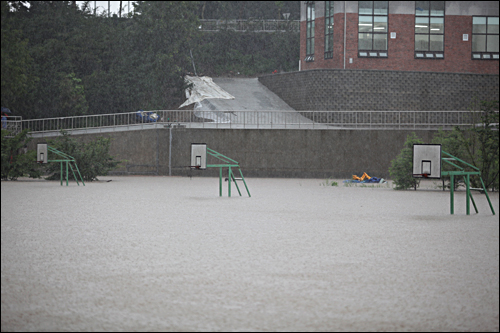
<point x="328" y="29"/>
<point x="429" y="29"/>
<point x="310" y="31"/>
<point x="372" y="28"/>
<point x="485" y="37"/>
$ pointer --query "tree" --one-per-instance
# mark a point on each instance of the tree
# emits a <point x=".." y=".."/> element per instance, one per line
<point x="16" y="77"/>
<point x="477" y="144"/>
<point x="17" y="161"/>
<point x="401" y="168"/>
<point x="164" y="32"/>
<point x="92" y="158"/>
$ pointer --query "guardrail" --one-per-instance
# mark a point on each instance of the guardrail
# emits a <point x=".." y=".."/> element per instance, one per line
<point x="389" y="120"/>
<point x="250" y="25"/>
<point x="13" y="124"/>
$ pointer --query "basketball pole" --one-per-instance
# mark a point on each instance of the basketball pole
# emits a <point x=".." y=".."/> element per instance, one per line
<point x="466" y="175"/>
<point x="65" y="158"/>
<point x="230" y="164"/>
<point x="427" y="163"/>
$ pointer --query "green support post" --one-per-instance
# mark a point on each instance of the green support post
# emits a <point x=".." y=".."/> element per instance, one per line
<point x="245" y="184"/>
<point x="466" y="175"/>
<point x="472" y="199"/>
<point x="68" y="160"/>
<point x="487" y="196"/>
<point x="467" y="197"/>
<point x="452" y="200"/>
<point x="229" y="183"/>
<point x="220" y="182"/>
<point x="236" y="183"/>
<point x="228" y="163"/>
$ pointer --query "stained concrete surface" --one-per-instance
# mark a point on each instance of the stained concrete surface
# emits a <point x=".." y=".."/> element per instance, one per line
<point x="169" y="254"/>
<point x="250" y="95"/>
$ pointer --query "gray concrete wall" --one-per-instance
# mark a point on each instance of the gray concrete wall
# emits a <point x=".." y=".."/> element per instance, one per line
<point x="381" y="90"/>
<point x="261" y="153"/>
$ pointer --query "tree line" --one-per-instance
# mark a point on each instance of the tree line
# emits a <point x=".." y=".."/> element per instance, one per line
<point x="59" y="59"/>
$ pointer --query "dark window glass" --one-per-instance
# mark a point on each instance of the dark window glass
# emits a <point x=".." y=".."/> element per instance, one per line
<point x="372" y="28"/>
<point x="485" y="37"/>
<point x="429" y="29"/>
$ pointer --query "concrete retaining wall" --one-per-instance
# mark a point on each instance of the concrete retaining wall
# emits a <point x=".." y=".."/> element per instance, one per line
<point x="381" y="90"/>
<point x="261" y="153"/>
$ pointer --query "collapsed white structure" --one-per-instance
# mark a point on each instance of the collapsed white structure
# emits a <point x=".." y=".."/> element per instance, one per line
<point x="203" y="88"/>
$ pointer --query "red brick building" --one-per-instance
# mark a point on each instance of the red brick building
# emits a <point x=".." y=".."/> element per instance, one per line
<point x="434" y="36"/>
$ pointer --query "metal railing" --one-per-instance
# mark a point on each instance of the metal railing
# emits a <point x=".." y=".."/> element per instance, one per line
<point x="388" y="120"/>
<point x="250" y="25"/>
<point x="13" y="124"/>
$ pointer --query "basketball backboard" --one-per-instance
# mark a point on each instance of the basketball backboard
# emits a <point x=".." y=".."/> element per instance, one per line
<point x="427" y="161"/>
<point x="41" y="153"/>
<point x="199" y="156"/>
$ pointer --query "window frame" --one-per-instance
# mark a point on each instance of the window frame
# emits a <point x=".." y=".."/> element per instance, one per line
<point x="329" y="7"/>
<point x="371" y="53"/>
<point x="310" y="27"/>
<point x="433" y="55"/>
<point x="483" y="55"/>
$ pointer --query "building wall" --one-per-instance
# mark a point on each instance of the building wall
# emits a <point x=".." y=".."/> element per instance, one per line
<point x="457" y="53"/>
<point x="261" y="153"/>
<point x="381" y="90"/>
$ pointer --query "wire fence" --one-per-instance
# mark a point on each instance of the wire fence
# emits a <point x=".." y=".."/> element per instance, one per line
<point x="389" y="120"/>
<point x="250" y="25"/>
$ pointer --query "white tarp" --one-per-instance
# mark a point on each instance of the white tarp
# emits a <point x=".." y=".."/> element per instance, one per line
<point x="203" y="88"/>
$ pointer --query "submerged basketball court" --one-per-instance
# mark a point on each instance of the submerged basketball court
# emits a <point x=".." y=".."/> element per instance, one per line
<point x="169" y="254"/>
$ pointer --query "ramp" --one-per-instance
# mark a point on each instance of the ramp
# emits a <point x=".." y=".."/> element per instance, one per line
<point x="250" y="95"/>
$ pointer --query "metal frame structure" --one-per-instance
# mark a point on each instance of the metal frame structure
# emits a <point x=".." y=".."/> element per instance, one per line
<point x="466" y="175"/>
<point x="248" y="119"/>
<point x="65" y="159"/>
<point x="227" y="163"/>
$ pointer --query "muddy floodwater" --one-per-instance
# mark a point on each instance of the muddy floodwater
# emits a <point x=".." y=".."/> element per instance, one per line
<point x="169" y="254"/>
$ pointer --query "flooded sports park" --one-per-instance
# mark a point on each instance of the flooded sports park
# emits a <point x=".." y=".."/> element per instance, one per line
<point x="153" y="253"/>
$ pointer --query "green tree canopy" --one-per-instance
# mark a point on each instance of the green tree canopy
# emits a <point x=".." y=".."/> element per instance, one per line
<point x="61" y="60"/>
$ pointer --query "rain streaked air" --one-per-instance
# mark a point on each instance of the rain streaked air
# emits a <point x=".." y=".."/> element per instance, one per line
<point x="249" y="166"/>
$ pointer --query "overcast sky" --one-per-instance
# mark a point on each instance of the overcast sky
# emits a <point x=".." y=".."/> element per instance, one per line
<point x="113" y="5"/>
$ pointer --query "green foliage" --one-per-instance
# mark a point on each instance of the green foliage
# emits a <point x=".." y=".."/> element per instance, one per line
<point x="401" y="168"/>
<point x="17" y="161"/>
<point x="450" y="142"/>
<point x="249" y="53"/>
<point x="92" y="158"/>
<point x="329" y="182"/>
<point x="60" y="60"/>
<point x="477" y="144"/>
<point x="16" y="79"/>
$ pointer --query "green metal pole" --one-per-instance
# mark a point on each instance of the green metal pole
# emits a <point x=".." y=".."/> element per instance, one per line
<point x="81" y="178"/>
<point x="473" y="202"/>
<point x="73" y="171"/>
<point x="220" y="182"/>
<point x="467" y="201"/>
<point x="451" y="195"/>
<point x="61" y="173"/>
<point x="236" y="184"/>
<point x="67" y="173"/>
<point x="229" y="183"/>
<point x="244" y="182"/>
<point x="487" y="196"/>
